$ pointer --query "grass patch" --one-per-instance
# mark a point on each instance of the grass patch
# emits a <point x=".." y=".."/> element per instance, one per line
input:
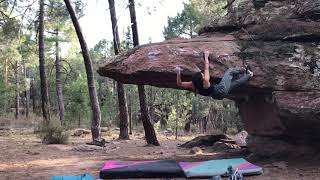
<point x="53" y="133"/>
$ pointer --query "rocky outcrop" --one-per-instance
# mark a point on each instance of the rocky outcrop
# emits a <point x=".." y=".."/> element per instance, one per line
<point x="280" y="40"/>
<point x="207" y="140"/>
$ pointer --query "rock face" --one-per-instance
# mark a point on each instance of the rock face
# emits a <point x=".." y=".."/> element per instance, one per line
<point x="279" y="39"/>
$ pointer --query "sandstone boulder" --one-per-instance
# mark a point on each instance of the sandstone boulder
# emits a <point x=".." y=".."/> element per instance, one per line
<point x="279" y="39"/>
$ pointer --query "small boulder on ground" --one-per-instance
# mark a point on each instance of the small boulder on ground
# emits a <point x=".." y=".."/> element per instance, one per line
<point x="61" y="147"/>
<point x="86" y="148"/>
<point x="196" y="150"/>
<point x="207" y="140"/>
<point x="222" y="146"/>
<point x="98" y="142"/>
<point x="168" y="131"/>
<point x="80" y="132"/>
<point x="241" y="138"/>
<point x="104" y="129"/>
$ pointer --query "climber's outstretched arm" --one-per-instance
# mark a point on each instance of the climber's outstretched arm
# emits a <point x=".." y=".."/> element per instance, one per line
<point x="206" y="76"/>
<point x="186" y="85"/>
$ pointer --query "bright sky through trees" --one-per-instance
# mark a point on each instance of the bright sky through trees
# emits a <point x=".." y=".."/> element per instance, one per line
<point x="151" y="16"/>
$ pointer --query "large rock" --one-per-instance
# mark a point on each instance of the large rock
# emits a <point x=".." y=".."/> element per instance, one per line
<point x="207" y="140"/>
<point x="280" y="40"/>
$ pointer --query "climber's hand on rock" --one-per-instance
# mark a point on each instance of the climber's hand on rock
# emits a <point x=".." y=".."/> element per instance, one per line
<point x="223" y="56"/>
<point x="206" y="56"/>
<point x="177" y="70"/>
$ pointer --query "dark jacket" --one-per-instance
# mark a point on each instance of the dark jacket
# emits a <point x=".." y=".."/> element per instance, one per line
<point x="214" y="91"/>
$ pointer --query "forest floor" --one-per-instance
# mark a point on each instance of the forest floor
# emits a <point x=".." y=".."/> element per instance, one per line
<point x="23" y="156"/>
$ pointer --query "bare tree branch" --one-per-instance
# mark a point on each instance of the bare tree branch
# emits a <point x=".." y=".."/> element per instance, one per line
<point x="68" y="74"/>
<point x="14" y="4"/>
<point x="69" y="65"/>
<point x="4" y="14"/>
<point x="50" y="32"/>
<point x="228" y="4"/>
<point x="49" y="5"/>
<point x="28" y="7"/>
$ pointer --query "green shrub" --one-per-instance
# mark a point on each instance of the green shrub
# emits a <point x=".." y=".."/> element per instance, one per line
<point x="194" y="128"/>
<point x="53" y="133"/>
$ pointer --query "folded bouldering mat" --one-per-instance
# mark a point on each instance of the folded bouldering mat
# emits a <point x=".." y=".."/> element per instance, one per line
<point x="141" y="169"/>
<point x="80" y="177"/>
<point x="219" y="167"/>
<point x="114" y="169"/>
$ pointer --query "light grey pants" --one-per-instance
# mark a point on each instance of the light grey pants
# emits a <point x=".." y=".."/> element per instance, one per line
<point x="229" y="83"/>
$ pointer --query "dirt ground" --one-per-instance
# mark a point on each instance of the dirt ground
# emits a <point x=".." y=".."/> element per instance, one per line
<point x="23" y="156"/>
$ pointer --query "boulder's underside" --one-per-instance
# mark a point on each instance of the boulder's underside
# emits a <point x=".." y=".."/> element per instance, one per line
<point x="280" y="40"/>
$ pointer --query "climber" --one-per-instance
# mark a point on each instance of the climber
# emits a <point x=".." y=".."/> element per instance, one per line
<point x="201" y="81"/>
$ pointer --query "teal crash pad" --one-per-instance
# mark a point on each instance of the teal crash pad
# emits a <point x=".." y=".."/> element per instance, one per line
<point x="219" y="167"/>
<point x="80" y="177"/>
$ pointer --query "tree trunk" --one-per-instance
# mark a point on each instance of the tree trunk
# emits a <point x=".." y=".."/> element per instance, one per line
<point x="79" y="120"/>
<point x="100" y="93"/>
<point x="130" y="114"/>
<point x="32" y="95"/>
<point x="27" y="92"/>
<point x="27" y="108"/>
<point x="205" y="122"/>
<point x="187" y="126"/>
<point x="176" y="128"/>
<point x="6" y="72"/>
<point x="191" y="29"/>
<point x="150" y="134"/>
<point x="58" y="80"/>
<point x="178" y="115"/>
<point x="96" y="114"/>
<point x="17" y="90"/>
<point x="43" y="77"/>
<point x="151" y="106"/>
<point x="163" y="120"/>
<point x="123" y="110"/>
<point x="134" y="26"/>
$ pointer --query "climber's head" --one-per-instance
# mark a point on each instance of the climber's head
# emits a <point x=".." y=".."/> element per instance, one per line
<point x="197" y="80"/>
